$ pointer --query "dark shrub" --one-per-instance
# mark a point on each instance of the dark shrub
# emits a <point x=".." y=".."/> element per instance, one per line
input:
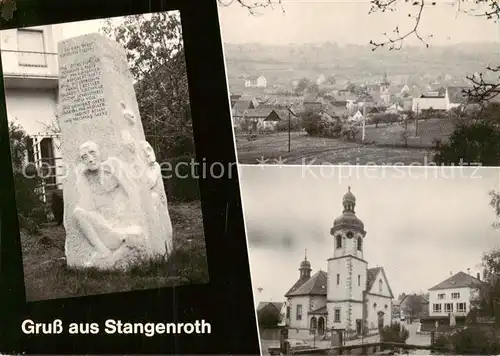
<point x="395" y="332"/>
<point x="471" y="143"/>
<point x="475" y="340"/>
<point x="180" y="177"/>
<point x="312" y="123"/>
<point x="58" y="206"/>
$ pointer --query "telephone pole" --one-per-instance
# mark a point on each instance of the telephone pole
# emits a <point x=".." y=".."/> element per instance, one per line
<point x="416" y="122"/>
<point x="364" y="124"/>
<point x="289" y="130"/>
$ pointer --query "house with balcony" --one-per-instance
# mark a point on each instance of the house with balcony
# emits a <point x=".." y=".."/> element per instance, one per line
<point x="453" y="296"/>
<point x="30" y="75"/>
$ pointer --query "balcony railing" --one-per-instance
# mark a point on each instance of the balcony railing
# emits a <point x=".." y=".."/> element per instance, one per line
<point x="29" y="64"/>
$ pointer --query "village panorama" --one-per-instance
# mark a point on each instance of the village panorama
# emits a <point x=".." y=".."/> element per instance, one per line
<point x="334" y="104"/>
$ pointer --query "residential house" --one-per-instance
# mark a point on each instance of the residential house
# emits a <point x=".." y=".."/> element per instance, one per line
<point x="333" y="114"/>
<point x="314" y="106"/>
<point x="256" y="82"/>
<point x="414" y="306"/>
<point x="395" y="109"/>
<point x="405" y="90"/>
<point x="321" y="79"/>
<point x="31" y="80"/>
<point x="453" y="296"/>
<point x="347" y="97"/>
<point x="261" y="118"/>
<point x="349" y="296"/>
<point x="357" y="117"/>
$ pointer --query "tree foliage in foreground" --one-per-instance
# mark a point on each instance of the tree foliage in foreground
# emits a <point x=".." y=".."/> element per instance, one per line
<point x="155" y="52"/>
<point x="26" y="182"/>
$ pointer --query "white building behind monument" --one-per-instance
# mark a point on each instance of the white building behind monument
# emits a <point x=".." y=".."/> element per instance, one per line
<point x="30" y="71"/>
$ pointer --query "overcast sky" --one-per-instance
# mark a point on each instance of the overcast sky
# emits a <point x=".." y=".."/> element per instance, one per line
<point x="418" y="229"/>
<point x="310" y="21"/>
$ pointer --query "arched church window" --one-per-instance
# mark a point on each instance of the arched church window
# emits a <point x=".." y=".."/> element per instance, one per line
<point x="380" y="285"/>
<point x="338" y="241"/>
<point x="360" y="244"/>
<point x="374" y="305"/>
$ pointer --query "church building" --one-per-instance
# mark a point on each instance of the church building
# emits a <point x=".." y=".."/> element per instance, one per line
<point x="348" y="296"/>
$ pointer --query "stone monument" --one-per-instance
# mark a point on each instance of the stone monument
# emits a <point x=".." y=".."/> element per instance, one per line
<point x="115" y="206"/>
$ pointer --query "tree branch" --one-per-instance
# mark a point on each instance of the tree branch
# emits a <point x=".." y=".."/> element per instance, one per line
<point x="252" y="6"/>
<point x="396" y="41"/>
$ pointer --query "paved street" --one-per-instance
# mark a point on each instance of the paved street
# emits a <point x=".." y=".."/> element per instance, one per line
<point x="416" y="339"/>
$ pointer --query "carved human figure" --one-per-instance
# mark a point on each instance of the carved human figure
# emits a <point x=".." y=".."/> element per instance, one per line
<point x="154" y="181"/>
<point x="102" y="210"/>
<point x="127" y="114"/>
<point x="130" y="144"/>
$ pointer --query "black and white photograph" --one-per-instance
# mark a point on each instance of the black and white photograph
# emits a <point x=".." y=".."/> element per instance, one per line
<point x="364" y="82"/>
<point x="102" y="146"/>
<point x="363" y="260"/>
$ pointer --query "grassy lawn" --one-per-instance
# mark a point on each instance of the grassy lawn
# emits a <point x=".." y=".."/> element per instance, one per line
<point x="427" y="132"/>
<point x="315" y="150"/>
<point x="46" y="275"/>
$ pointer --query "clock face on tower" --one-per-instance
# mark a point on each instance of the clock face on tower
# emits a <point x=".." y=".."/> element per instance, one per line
<point x="349" y="235"/>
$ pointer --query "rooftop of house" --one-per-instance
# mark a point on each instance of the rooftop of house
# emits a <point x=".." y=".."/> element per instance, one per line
<point x="458" y="280"/>
<point x="254" y="77"/>
<point x="244" y="102"/>
<point x="263" y="112"/>
<point x="431" y="97"/>
<point x="277" y="305"/>
<point x="410" y="298"/>
<point x="316" y="285"/>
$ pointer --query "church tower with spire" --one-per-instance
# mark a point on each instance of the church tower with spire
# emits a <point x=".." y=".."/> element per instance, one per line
<point x="347" y="270"/>
<point x="385" y="94"/>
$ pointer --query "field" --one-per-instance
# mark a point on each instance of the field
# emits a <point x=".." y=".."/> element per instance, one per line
<point x="47" y="277"/>
<point x="383" y="145"/>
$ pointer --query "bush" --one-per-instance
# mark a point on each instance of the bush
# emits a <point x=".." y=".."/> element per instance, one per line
<point x="315" y="125"/>
<point x="334" y="130"/>
<point x="475" y="341"/>
<point x="268" y="318"/>
<point x="443" y="342"/>
<point x="30" y="208"/>
<point x="312" y="123"/>
<point x="295" y="125"/>
<point x="395" y="332"/>
<point x="58" y="206"/>
<point x="350" y="131"/>
<point x="471" y="143"/>
<point x="384" y="119"/>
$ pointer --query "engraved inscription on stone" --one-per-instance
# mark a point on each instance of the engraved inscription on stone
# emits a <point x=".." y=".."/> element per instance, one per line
<point x="81" y="90"/>
<point x="77" y="49"/>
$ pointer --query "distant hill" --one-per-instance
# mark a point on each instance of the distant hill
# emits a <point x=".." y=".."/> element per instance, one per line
<point x="281" y="64"/>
